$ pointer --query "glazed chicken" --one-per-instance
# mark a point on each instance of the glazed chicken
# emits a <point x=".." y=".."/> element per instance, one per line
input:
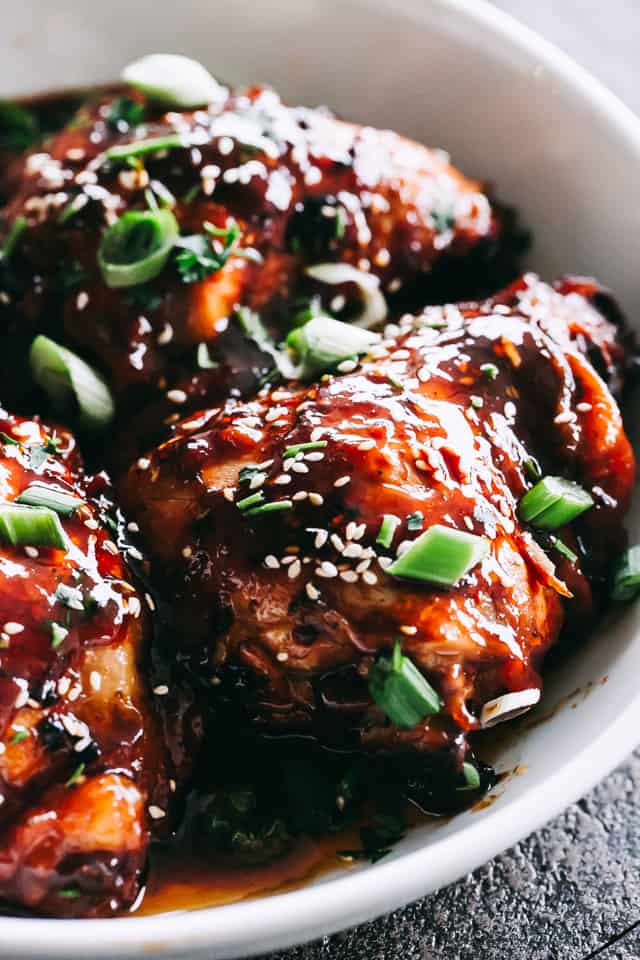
<point x="285" y="188"/>
<point x="84" y="773"/>
<point x="263" y="517"/>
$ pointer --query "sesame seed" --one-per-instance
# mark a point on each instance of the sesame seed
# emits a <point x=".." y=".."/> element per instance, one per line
<point x="133" y="527"/>
<point x="584" y="407"/>
<point x="321" y="538"/>
<point x="285" y="561"/>
<point x="349" y="576"/>
<point x="21" y="699"/>
<point x="283" y="479"/>
<point x="565" y="417"/>
<point x="91" y="524"/>
<point x="143" y="463"/>
<point x="369" y="577"/>
<point x="257" y="480"/>
<point x="110" y="547"/>
<point x="337" y="542"/>
<point x="82" y="300"/>
<point x="312" y="592"/>
<point x="75" y="692"/>
<point x="359" y="531"/>
<point x="408" y="630"/>
<point x="347" y="366"/>
<point x="11" y="627"/>
<point x="271" y="562"/>
<point x="327" y="569"/>
<point x="363" y="565"/>
<point x="173" y="786"/>
<point x="403" y="547"/>
<point x="2" y="750"/>
<point x="367" y="445"/>
<point x="63" y="685"/>
<point x="352" y="550"/>
<point x="274" y="414"/>
<point x="342" y="481"/>
<point x="317" y="434"/>
<point x="82" y="744"/>
<point x="282" y="656"/>
<point x="314" y="457"/>
<point x="156" y="813"/>
<point x="166" y="335"/>
<point x="161" y="690"/>
<point x="316" y="499"/>
<point x="295" y="569"/>
<point x="468" y="522"/>
<point x="150" y="602"/>
<point x="95" y="680"/>
<point x="300" y="495"/>
<point x="421" y="465"/>
<point x="176" y="396"/>
<point x="229" y="493"/>
<point x="300" y="468"/>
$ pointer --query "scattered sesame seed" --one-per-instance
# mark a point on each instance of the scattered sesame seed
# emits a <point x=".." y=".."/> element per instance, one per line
<point x="363" y="565"/>
<point x="110" y="547"/>
<point x="359" y="531"/>
<point x="21" y="699"/>
<point x="584" y="407"/>
<point x="32" y="552"/>
<point x="161" y="690"/>
<point x="369" y="577"/>
<point x="468" y="522"/>
<point x="300" y="467"/>
<point x="367" y="445"/>
<point x="143" y="463"/>
<point x="11" y="627"/>
<point x="82" y="744"/>
<point x="337" y="542"/>
<point x="282" y="656"/>
<point x="314" y="457"/>
<point x="295" y="569"/>
<point x="156" y="813"/>
<point x="82" y="300"/>
<point x="74" y="692"/>
<point x="165" y="336"/>
<point x="317" y="434"/>
<point x="349" y="576"/>
<point x="421" y="465"/>
<point x="282" y="479"/>
<point x="565" y="417"/>
<point x="173" y="786"/>
<point x="229" y="493"/>
<point x="133" y="527"/>
<point x="312" y="592"/>
<point x="342" y="481"/>
<point x="321" y="538"/>
<point x="352" y="550"/>
<point x="316" y="499"/>
<point x="91" y="524"/>
<point x="300" y="495"/>
<point x="347" y="366"/>
<point x="95" y="680"/>
<point x="63" y="685"/>
<point x="408" y="630"/>
<point x="176" y="396"/>
<point x="271" y="562"/>
<point x="257" y="480"/>
<point x="327" y="569"/>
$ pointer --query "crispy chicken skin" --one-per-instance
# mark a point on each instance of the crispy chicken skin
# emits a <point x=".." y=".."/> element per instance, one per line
<point x="419" y="429"/>
<point x="302" y="186"/>
<point x="82" y="760"/>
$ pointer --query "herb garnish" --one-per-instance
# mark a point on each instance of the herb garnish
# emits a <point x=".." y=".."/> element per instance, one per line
<point x="197" y="259"/>
<point x="124" y="113"/>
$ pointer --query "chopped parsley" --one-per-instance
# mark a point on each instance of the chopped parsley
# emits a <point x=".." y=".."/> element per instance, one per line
<point x="125" y="112"/>
<point x="76" y="776"/>
<point x="19" y="736"/>
<point x="197" y="258"/>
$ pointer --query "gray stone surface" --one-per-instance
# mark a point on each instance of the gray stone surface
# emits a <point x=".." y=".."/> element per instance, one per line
<point x="561" y="894"/>
<point x="572" y="890"/>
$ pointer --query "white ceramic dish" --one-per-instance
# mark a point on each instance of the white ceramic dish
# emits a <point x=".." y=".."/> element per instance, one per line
<point x="510" y="107"/>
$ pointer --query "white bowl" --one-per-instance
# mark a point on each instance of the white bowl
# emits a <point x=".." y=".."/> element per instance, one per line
<point x="509" y="107"/>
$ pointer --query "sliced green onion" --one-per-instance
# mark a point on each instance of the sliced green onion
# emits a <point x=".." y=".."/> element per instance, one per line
<point x="270" y="507"/>
<point x="250" y="501"/>
<point x="58" y="635"/>
<point x="471" y="776"/>
<point x="398" y="687"/>
<point x="532" y="469"/>
<point x="564" y="550"/>
<point x="139" y="148"/>
<point x="76" y="775"/>
<point x="203" y="358"/>
<point x="300" y="447"/>
<point x="136" y="247"/>
<point x="387" y="530"/>
<point x="31" y="526"/>
<point x="42" y="495"/>
<point x="322" y="343"/>
<point x="476" y="402"/>
<point x="19" y="736"/>
<point x="374" y="305"/>
<point x="490" y="370"/>
<point x="74" y="206"/>
<point x="69" y="893"/>
<point x="16" y="230"/>
<point x="173" y="80"/>
<point x="553" y="503"/>
<point x="626" y="576"/>
<point x="440" y="555"/>
<point x="70" y="597"/>
<point x="69" y="381"/>
<point x="125" y="112"/>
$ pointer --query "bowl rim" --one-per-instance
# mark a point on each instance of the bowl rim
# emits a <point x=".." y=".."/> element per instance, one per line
<point x="280" y="920"/>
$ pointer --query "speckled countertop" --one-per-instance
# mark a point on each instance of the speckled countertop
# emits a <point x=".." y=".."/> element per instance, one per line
<point x="572" y="890"/>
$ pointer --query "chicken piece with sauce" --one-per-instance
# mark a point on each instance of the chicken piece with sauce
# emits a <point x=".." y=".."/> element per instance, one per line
<point x="286" y="526"/>
<point x="84" y="770"/>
